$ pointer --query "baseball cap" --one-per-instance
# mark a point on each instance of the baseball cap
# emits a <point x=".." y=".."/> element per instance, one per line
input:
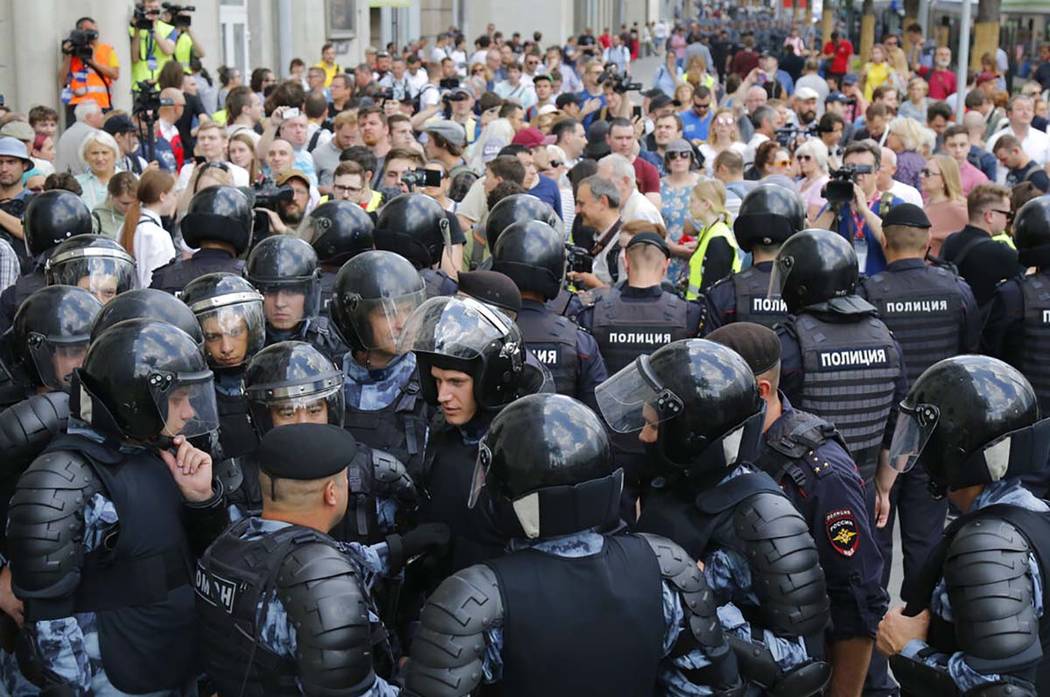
<point x="806" y="93"/>
<point x="906" y="215"/>
<point x="542" y="76"/>
<point x="679" y="145"/>
<point x="13" y="147"/>
<point x="759" y="346"/>
<point x="460" y="92"/>
<point x="449" y="130"/>
<point x="836" y="97"/>
<point x="19" y="130"/>
<point x="650" y="238"/>
<point x="289" y="174"/>
<point x="532" y="138"/>
<point x="489" y="100"/>
<point x="118" y="124"/>
<point x="849" y="79"/>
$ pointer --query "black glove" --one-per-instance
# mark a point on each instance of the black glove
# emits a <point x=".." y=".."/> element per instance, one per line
<point x="428" y="537"/>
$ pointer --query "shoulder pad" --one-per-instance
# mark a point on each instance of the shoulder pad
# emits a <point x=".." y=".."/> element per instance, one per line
<point x="676" y="566"/>
<point x="391" y="478"/>
<point x="26" y="428"/>
<point x="468" y="602"/>
<point x="992" y="595"/>
<point x="800" y="432"/>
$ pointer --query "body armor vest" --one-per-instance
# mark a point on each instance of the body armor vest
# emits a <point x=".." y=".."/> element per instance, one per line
<point x="752" y="305"/>
<point x="552" y="339"/>
<point x="628" y="328"/>
<point x="400" y="428"/>
<point x="923" y="309"/>
<point x="850" y="370"/>
<point x="438" y="283"/>
<point x="173" y="277"/>
<point x="1036" y="362"/>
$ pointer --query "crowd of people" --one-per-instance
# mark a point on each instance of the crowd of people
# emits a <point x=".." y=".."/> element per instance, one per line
<point x="489" y="365"/>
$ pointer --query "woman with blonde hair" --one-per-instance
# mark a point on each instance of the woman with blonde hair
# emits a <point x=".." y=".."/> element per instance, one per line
<point x="875" y="72"/>
<point x="683" y="94"/>
<point x="143" y="235"/>
<point x="812" y="160"/>
<point x="100" y="152"/>
<point x="716" y="254"/>
<point x="696" y="74"/>
<point x="904" y="137"/>
<point x="724" y="134"/>
<point x="944" y="201"/>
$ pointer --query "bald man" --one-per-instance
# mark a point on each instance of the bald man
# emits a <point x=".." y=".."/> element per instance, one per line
<point x="173" y="102"/>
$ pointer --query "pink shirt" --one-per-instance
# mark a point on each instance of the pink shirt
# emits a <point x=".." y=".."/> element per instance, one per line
<point x="971" y="177"/>
<point x="946" y="217"/>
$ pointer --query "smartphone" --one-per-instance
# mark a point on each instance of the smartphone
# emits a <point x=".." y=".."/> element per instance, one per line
<point x="291" y="113"/>
<point x="637" y="112"/>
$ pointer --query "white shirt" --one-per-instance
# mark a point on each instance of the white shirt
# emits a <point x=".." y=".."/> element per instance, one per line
<point x="638" y="207"/>
<point x="418" y="80"/>
<point x="153" y="247"/>
<point x="239" y="174"/>
<point x="907" y="193"/>
<point x="1036" y="145"/>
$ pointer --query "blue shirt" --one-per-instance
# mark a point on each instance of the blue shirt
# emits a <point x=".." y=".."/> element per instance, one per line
<point x="546" y="190"/>
<point x="695" y="127"/>
<point x="584" y="96"/>
<point x="875" y="258"/>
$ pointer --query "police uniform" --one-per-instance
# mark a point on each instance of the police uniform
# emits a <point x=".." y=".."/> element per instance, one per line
<point x="1018" y="329"/>
<point x="327" y="285"/>
<point x="173" y="276"/>
<point x="316" y="331"/>
<point x="743" y="297"/>
<point x="438" y="282"/>
<point x="12" y="297"/>
<point x="282" y="608"/>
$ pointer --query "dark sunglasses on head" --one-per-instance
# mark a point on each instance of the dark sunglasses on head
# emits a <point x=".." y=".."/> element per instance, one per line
<point x="679" y="154"/>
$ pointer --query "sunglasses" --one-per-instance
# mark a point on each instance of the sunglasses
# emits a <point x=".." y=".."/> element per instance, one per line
<point x="556" y="163"/>
<point x="1008" y="214"/>
<point x="679" y="154"/>
<point x="782" y="164"/>
<point x="702" y="107"/>
<point x="803" y="158"/>
<point x="724" y="122"/>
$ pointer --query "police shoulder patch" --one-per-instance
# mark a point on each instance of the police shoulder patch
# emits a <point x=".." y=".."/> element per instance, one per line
<point x="843" y="531"/>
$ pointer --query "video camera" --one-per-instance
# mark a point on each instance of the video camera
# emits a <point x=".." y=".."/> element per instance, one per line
<point x="839" y="189"/>
<point x="788" y="135"/>
<point x="180" y="14"/>
<point x="421" y="177"/>
<point x="78" y="44"/>
<point x="578" y="259"/>
<point x="141" y="20"/>
<point x="271" y="196"/>
<point x="148" y="100"/>
<point x="620" y="83"/>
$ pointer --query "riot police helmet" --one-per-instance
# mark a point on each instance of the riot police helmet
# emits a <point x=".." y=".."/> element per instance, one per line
<point x="51" y="331"/>
<point x="532" y="254"/>
<point x="814" y="266"/>
<point x="292" y="382"/>
<point x="695" y="405"/>
<point x="545" y="469"/>
<point x="373" y="296"/>
<point x="145" y="381"/>
<point x="970" y="420"/>
<point x="219" y="214"/>
<point x="517" y="208"/>
<point x="283" y="268"/>
<point x="1031" y="229"/>
<point x="53" y="216"/>
<point x="769" y="214"/>
<point x="230" y="313"/>
<point x="338" y="231"/>
<point x="93" y="262"/>
<point x="416" y="227"/>
<point x="148" y="303"/>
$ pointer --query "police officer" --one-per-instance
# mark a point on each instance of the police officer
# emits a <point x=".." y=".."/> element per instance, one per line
<point x="701" y="417"/>
<point x="532" y="254"/>
<point x="505" y="621"/>
<point x="338" y="231"/>
<point x="93" y="262"/>
<point x="1018" y="327"/>
<point x="808" y="459"/>
<point x="219" y="223"/>
<point x="50" y="217"/>
<point x="285" y="270"/>
<point x="974" y="621"/>
<point x="416" y="227"/>
<point x="838" y="359"/>
<point x="230" y="313"/>
<point x="283" y="610"/>
<point x="768" y="216"/>
<point x="472" y="363"/>
<point x="932" y="313"/>
<point x="123" y="500"/>
<point x="493" y="288"/>
<point x="148" y="303"/>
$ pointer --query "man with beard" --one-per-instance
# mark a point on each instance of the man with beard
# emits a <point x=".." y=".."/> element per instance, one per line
<point x="290" y="213"/>
<point x="375" y="134"/>
<point x="806" y="106"/>
<point x="941" y="77"/>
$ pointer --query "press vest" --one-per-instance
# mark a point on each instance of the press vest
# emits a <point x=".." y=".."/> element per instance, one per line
<point x="849" y="373"/>
<point x="696" y="261"/>
<point x="142" y="68"/>
<point x="752" y="305"/>
<point x="628" y="328"/>
<point x="1036" y="361"/>
<point x="924" y="310"/>
<point x="552" y="339"/>
<point x="590" y="625"/>
<point x="81" y="77"/>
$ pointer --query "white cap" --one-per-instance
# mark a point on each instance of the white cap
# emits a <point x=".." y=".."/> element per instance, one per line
<point x="806" y="93"/>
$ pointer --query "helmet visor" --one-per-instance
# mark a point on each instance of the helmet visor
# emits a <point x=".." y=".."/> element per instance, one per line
<point x="915" y="425"/>
<point x="481" y="473"/>
<point x="185" y="403"/>
<point x="232" y="333"/>
<point x="287" y="303"/>
<point x="318" y="399"/>
<point x="103" y="277"/>
<point x="380" y="322"/>
<point x="55" y="361"/>
<point x="782" y="268"/>
<point x="454" y="327"/>
<point x="633" y="398"/>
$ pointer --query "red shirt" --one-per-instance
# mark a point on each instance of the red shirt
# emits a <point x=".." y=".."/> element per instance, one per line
<point x="842" y="51"/>
<point x="647" y="176"/>
<point x="942" y="84"/>
<point x="744" y="62"/>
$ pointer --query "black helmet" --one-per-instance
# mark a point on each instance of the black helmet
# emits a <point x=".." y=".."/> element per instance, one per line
<point x="414" y="226"/>
<point x="372" y="285"/>
<point x="291" y="375"/>
<point x="769" y="214"/>
<point x="338" y="231"/>
<point x="219" y="214"/>
<point x="230" y="313"/>
<point x="461" y="333"/>
<point x="53" y="216"/>
<point x="564" y="481"/>
<point x="148" y="303"/>
<point x="814" y="266"/>
<point x="50" y="333"/>
<point x="94" y="262"/>
<point x="1032" y="232"/>
<point x="704" y="398"/>
<point x="532" y="253"/>
<point x="461" y="179"/>
<point x="145" y="381"/>
<point x="517" y="208"/>
<point x="970" y="420"/>
<point x="283" y="262"/>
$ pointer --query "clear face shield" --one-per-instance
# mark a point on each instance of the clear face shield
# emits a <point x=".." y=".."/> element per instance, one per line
<point x="288" y="303"/>
<point x="317" y="401"/>
<point x="915" y="425"/>
<point x="55" y="361"/>
<point x="185" y="402"/>
<point x="454" y="327"/>
<point x="233" y="333"/>
<point x="782" y="268"/>
<point x="104" y="275"/>
<point x="380" y="322"/>
<point x="633" y="398"/>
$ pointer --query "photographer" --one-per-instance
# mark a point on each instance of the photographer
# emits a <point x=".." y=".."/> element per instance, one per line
<point x="186" y="45"/>
<point x="88" y="68"/>
<point x="152" y="43"/>
<point x="858" y="218"/>
<point x="287" y="213"/>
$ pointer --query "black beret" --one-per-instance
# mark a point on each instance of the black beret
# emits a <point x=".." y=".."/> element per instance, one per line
<point x="492" y="288"/>
<point x="306" y="451"/>
<point x="652" y="239"/>
<point x="759" y="346"/>
<point x="907" y="215"/>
